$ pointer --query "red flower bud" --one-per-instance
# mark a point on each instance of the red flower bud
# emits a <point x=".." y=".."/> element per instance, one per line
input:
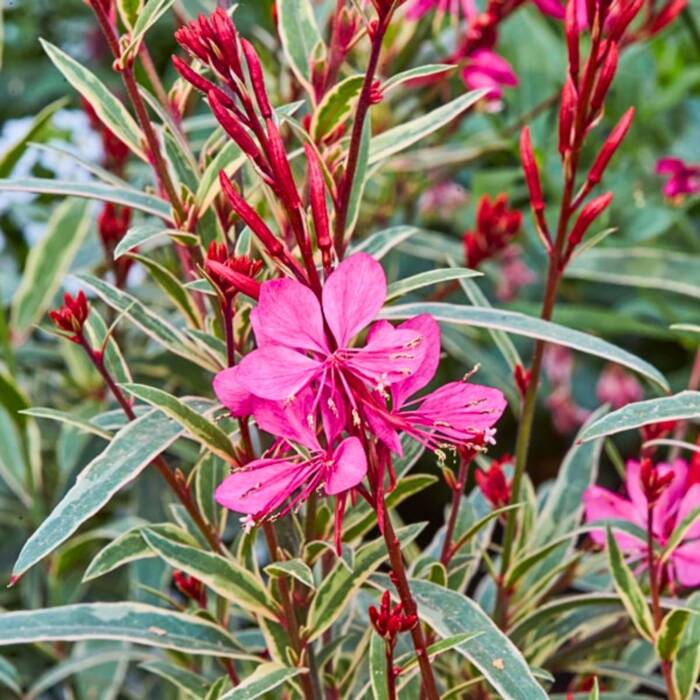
<point x="522" y="379"/>
<point x="191" y="588"/>
<point x="668" y="13"/>
<point x="496" y="226"/>
<point x="623" y="19"/>
<point x="493" y="483"/>
<point x="607" y="74"/>
<point x="572" y="40"/>
<point x="653" y="482"/>
<point x="191" y="76"/>
<point x="250" y="217"/>
<point x="257" y="79"/>
<point x="232" y="126"/>
<point x="532" y="177"/>
<point x="567" y="115"/>
<point x="317" y="197"/>
<point x="279" y="162"/>
<point x="588" y="215"/>
<point x="72" y="315"/>
<point x="611" y="144"/>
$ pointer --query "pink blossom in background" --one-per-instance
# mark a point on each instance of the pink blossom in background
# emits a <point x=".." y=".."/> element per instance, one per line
<point x="567" y="415"/>
<point x="558" y="364"/>
<point x="514" y="274"/>
<point x="683" y="178"/>
<point x="417" y="8"/>
<point x="442" y="200"/>
<point x="677" y="494"/>
<point x="486" y="69"/>
<point x="618" y="387"/>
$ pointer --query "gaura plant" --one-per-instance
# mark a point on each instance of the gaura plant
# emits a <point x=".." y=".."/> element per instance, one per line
<point x="285" y="391"/>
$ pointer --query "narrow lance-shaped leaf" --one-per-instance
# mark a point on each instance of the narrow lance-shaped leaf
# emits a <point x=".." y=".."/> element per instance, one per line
<point x="682" y="406"/>
<point x="520" y="324"/>
<point x="150" y="14"/>
<point x="296" y="568"/>
<point x="670" y="634"/>
<point x="203" y="430"/>
<point x="629" y="589"/>
<point x="377" y="668"/>
<point x="108" y="108"/>
<point x="130" y="622"/>
<point x="301" y="38"/>
<point x="191" y="683"/>
<point x="264" y="679"/>
<point x="400" y="137"/>
<point x="129" y="453"/>
<point x="426" y="279"/>
<point x="125" y="196"/>
<point x="450" y="613"/>
<point x="335" y="107"/>
<point x="686" y="665"/>
<point x="380" y="243"/>
<point x="224" y="576"/>
<point x="48" y="263"/>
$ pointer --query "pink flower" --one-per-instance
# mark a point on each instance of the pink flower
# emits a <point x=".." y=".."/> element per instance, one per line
<point x="514" y="274"/>
<point x="567" y="415"/>
<point x="294" y="349"/>
<point x="442" y="200"/>
<point x="486" y="69"/>
<point x="417" y="8"/>
<point x="618" y="387"/>
<point x="683" y="178"/>
<point x="677" y="494"/>
<point x="456" y="414"/>
<point x="557" y="9"/>
<point x="265" y="485"/>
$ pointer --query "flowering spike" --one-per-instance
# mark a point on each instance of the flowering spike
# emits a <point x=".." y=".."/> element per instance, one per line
<point x="496" y="226"/>
<point x="233" y="273"/>
<point x="588" y="215"/>
<point x="532" y="177"/>
<point x="191" y="76"/>
<point x="257" y="79"/>
<point x="280" y="163"/>
<point x="611" y="144"/>
<point x="623" y="19"/>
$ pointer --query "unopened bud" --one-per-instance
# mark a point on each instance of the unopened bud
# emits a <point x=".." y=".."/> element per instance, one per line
<point x="588" y="215"/>
<point x="532" y="178"/>
<point x="257" y="79"/>
<point x="317" y="197"/>
<point x="567" y="115"/>
<point x="611" y="145"/>
<point x="607" y="74"/>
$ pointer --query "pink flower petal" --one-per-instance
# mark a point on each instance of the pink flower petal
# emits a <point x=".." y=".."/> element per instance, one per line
<point x="460" y="407"/>
<point x="277" y="373"/>
<point x="349" y="468"/>
<point x="232" y="394"/>
<point x="353" y="296"/>
<point x="429" y="329"/>
<point x="690" y="501"/>
<point x="262" y="487"/>
<point x="289" y="419"/>
<point x="289" y="314"/>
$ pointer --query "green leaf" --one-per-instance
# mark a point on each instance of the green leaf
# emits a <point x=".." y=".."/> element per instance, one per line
<point x="48" y="262"/>
<point x="67" y="419"/>
<point x="682" y="406"/>
<point x="200" y="428"/>
<point x="426" y="279"/>
<point x="629" y="589"/>
<point x="649" y="268"/>
<point x="513" y="322"/>
<point x="191" y="683"/>
<point x="678" y="535"/>
<point x="501" y="339"/>
<point x="377" y="668"/>
<point x="340" y="584"/>
<point x="401" y="137"/>
<point x="360" y="181"/>
<point x="11" y="156"/>
<point x="108" y="108"/>
<point x="97" y="332"/>
<point x="414" y="73"/>
<point x="131" y="546"/>
<point x="686" y="665"/>
<point x="173" y="288"/>
<point x="264" y="679"/>
<point x="380" y="243"/>
<point x="152" y="324"/>
<point x="296" y="568"/>
<point x="14" y="471"/>
<point x="129" y="11"/>
<point x="150" y="14"/>
<point x="336" y="106"/>
<point x="230" y="158"/>
<point x="450" y="613"/>
<point x="130" y="622"/>
<point x="670" y="634"/>
<point x="595" y="690"/>
<point x="9" y="677"/>
<point x="138" y="235"/>
<point x="224" y="576"/>
<point x="90" y="190"/>
<point x="301" y="38"/>
<point x="130" y="452"/>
